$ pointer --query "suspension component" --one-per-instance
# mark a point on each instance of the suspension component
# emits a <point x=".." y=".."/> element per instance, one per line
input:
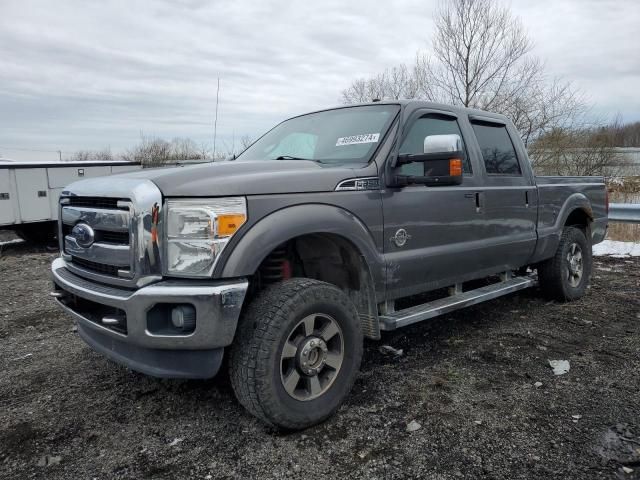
<point x="275" y="267"/>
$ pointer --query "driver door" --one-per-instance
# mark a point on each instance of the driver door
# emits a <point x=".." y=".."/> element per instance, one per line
<point x="431" y="233"/>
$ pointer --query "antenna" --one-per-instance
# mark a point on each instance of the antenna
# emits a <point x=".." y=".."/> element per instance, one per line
<point x="215" y="122"/>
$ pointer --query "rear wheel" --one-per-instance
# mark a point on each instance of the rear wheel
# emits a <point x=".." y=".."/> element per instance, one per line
<point x="565" y="276"/>
<point x="297" y="353"/>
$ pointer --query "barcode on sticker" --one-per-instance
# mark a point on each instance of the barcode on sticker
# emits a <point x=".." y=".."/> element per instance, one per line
<point x="354" y="139"/>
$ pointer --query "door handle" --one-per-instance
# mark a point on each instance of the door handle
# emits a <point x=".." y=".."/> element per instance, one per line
<point x="478" y="198"/>
<point x="479" y="202"/>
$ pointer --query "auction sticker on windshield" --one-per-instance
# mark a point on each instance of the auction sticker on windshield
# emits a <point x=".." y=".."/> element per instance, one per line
<point x="355" y="139"/>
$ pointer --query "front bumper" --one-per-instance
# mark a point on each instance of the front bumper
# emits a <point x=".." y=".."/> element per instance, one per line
<point x="194" y="355"/>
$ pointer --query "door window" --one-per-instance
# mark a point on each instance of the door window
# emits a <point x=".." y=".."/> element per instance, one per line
<point x="498" y="153"/>
<point x="414" y="141"/>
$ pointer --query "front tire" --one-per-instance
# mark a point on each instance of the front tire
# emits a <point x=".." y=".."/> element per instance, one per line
<point x="565" y="276"/>
<point x="297" y="353"/>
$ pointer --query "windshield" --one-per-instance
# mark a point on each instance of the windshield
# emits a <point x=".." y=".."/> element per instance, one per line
<point x="344" y="135"/>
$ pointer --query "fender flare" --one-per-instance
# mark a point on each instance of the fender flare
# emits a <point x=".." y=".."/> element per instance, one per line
<point x="575" y="201"/>
<point x="276" y="228"/>
<point x="549" y="237"/>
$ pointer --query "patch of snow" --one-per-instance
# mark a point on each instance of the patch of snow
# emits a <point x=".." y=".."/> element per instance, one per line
<point x="413" y="426"/>
<point x="617" y="249"/>
<point x="560" y="367"/>
<point x="8" y="242"/>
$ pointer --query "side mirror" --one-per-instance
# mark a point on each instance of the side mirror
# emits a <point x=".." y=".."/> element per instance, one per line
<point x="442" y="160"/>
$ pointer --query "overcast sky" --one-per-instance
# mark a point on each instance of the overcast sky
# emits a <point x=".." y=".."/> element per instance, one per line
<point x="85" y="75"/>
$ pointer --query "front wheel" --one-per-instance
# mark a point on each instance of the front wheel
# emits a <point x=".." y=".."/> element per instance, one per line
<point x="565" y="276"/>
<point x="297" y="353"/>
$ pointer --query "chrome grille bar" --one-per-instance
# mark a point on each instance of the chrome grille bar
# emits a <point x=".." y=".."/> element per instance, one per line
<point x="109" y="220"/>
<point x="106" y="253"/>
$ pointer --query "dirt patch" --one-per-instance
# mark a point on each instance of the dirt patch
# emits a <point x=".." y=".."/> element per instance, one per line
<point x="477" y="382"/>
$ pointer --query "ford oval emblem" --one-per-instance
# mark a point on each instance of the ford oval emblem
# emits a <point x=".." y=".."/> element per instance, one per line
<point x="83" y="234"/>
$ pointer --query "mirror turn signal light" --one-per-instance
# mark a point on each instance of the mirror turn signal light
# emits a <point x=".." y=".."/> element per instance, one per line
<point x="455" y="167"/>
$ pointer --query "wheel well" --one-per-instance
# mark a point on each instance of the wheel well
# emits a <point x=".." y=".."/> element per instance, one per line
<point x="579" y="218"/>
<point x="329" y="258"/>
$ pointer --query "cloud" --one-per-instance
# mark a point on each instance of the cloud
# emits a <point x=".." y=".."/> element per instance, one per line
<point x="79" y="74"/>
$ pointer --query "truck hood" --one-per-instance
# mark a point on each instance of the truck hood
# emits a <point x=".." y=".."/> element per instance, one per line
<point x="250" y="178"/>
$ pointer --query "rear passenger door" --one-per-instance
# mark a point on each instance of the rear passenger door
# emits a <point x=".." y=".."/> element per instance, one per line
<point x="509" y="198"/>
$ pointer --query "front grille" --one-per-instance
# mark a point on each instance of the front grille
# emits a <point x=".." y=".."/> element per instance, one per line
<point x="96" y="267"/>
<point x="105" y="255"/>
<point x="118" y="211"/>
<point x="96" y="202"/>
<point x="119" y="238"/>
<point x="103" y="236"/>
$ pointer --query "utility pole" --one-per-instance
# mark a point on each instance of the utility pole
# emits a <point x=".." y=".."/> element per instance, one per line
<point x="215" y="122"/>
<point x="60" y="155"/>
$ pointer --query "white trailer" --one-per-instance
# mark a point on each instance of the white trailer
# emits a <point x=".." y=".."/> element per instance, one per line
<point x="29" y="192"/>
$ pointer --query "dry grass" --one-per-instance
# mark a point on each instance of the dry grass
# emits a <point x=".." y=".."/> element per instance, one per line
<point x="625" y="232"/>
<point x="624" y="192"/>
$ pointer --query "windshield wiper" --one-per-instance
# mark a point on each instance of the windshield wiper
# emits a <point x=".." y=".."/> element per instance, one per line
<point x="289" y="157"/>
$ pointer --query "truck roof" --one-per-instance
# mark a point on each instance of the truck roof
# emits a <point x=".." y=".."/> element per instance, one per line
<point x="412" y="104"/>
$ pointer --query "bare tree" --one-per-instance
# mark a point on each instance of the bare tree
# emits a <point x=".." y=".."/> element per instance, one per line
<point x="156" y="152"/>
<point x="245" y="142"/>
<point x="626" y="135"/>
<point x="184" y="149"/>
<point x="206" y="152"/>
<point x="482" y="53"/>
<point x="402" y="81"/>
<point x="91" y="156"/>
<point x="577" y="151"/>
<point x="481" y="58"/>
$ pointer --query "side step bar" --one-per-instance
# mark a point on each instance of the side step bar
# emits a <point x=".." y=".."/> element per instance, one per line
<point x="401" y="318"/>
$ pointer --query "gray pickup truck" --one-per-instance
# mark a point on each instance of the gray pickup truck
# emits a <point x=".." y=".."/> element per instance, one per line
<point x="332" y="227"/>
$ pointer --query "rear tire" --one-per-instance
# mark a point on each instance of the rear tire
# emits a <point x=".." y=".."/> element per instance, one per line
<point x="296" y="353"/>
<point x="565" y="276"/>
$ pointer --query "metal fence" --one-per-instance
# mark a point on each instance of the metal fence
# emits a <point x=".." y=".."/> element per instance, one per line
<point x="624" y="212"/>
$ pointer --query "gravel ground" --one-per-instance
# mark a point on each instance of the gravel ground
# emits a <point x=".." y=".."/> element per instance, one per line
<point x="477" y="382"/>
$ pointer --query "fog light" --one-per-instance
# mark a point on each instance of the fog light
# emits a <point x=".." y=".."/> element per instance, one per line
<point x="183" y="317"/>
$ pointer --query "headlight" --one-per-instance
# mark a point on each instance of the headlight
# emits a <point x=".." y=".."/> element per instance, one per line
<point x="197" y="231"/>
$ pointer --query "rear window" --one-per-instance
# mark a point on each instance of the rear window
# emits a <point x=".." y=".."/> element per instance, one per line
<point x="498" y="152"/>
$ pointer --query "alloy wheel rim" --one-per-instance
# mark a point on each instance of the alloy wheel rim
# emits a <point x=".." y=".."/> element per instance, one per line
<point x="575" y="265"/>
<point x="311" y="357"/>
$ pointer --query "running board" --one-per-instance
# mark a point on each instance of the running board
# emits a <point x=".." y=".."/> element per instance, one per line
<point x="401" y="318"/>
